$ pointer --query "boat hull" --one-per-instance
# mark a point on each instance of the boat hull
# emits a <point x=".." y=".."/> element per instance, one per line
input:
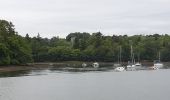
<point x="119" y="69"/>
<point x="158" y="65"/>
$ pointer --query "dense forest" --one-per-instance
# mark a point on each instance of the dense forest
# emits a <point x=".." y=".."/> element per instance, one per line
<point x="16" y="49"/>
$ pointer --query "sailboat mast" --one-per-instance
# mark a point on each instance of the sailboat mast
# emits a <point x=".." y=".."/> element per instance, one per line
<point x="133" y="58"/>
<point x="159" y="57"/>
<point x="120" y="54"/>
<point x="138" y="57"/>
<point x="118" y="59"/>
<point x="132" y="54"/>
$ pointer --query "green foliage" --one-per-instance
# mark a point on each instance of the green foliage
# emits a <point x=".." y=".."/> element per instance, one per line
<point x="4" y="58"/>
<point x="60" y="53"/>
<point x="15" y="49"/>
<point x="78" y="40"/>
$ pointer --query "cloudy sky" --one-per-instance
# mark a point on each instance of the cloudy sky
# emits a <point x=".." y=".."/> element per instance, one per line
<point x="60" y="17"/>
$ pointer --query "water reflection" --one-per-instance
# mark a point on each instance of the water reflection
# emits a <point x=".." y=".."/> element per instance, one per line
<point x="66" y="69"/>
<point x="53" y="70"/>
<point x="24" y="73"/>
<point x="14" y="73"/>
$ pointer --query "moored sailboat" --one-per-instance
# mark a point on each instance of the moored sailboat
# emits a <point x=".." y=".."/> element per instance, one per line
<point x="138" y="65"/>
<point x="119" y="67"/>
<point x="158" y="64"/>
<point x="131" y="65"/>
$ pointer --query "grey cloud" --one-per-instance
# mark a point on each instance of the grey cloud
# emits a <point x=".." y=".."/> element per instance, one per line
<point x="60" y="17"/>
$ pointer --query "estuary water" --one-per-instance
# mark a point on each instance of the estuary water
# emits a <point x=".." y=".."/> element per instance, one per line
<point x="94" y="85"/>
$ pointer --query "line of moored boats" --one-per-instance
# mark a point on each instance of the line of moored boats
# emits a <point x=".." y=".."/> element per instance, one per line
<point x="138" y="66"/>
<point x="135" y="66"/>
<point x="132" y="65"/>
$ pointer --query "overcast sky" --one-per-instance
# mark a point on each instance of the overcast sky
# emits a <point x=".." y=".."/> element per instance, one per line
<point x="60" y="17"/>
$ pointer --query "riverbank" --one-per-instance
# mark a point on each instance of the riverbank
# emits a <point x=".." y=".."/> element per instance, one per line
<point x="66" y="66"/>
<point x="17" y="68"/>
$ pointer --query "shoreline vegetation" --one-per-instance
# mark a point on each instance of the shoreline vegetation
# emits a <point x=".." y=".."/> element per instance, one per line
<point x="84" y="47"/>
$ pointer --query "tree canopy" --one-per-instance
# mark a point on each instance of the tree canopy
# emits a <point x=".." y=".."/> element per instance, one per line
<point x="15" y="49"/>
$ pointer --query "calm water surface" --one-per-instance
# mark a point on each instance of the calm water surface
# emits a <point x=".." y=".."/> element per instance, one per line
<point x="110" y="85"/>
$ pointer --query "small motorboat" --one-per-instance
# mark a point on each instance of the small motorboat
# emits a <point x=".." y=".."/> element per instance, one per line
<point x="84" y="65"/>
<point x="95" y="65"/>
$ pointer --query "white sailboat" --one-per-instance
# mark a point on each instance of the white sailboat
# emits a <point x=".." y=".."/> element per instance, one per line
<point x="119" y="67"/>
<point x="138" y="65"/>
<point x="131" y="65"/>
<point x="158" y="64"/>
